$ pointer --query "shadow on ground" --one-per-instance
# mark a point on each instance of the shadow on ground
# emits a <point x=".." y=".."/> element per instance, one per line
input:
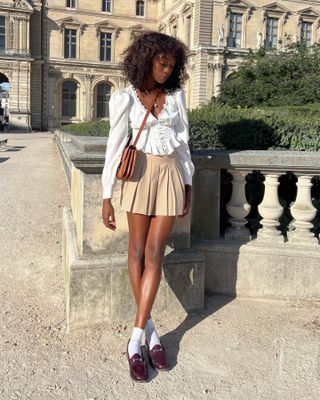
<point x="15" y="148"/>
<point x="171" y="340"/>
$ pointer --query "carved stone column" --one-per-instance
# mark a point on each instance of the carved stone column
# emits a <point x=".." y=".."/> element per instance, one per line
<point x="28" y="36"/>
<point x="89" y="97"/>
<point x="271" y="210"/>
<point x="24" y="35"/>
<point x="303" y="212"/>
<point x="16" y="32"/>
<point x="21" y="35"/>
<point x="217" y="79"/>
<point x="11" y="34"/>
<point x="238" y="208"/>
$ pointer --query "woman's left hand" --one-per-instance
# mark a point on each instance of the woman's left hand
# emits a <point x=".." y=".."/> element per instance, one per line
<point x="187" y="201"/>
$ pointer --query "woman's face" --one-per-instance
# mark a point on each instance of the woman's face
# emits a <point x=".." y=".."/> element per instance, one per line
<point x="162" y="67"/>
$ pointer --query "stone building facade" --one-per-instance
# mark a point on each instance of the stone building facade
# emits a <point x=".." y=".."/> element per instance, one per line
<point x="61" y="57"/>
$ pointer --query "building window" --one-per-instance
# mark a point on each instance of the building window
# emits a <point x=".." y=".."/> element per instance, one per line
<point x="106" y="5"/>
<point x="69" y="99"/>
<point x="188" y="30"/>
<point x="103" y="97"/>
<point x="272" y="33"/>
<point x="2" y="34"/>
<point x="306" y="33"/>
<point x="140" y="8"/>
<point x="70" y="43"/>
<point x="234" y="38"/>
<point x="71" y="3"/>
<point x="105" y="46"/>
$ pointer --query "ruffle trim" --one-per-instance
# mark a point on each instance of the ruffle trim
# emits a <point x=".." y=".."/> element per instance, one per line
<point x="167" y="146"/>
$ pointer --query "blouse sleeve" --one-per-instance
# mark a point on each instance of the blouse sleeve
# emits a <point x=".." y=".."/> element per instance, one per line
<point x="183" y="150"/>
<point x="119" y="119"/>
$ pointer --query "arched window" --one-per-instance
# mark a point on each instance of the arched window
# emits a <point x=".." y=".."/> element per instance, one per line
<point x="140" y="8"/>
<point x="69" y="99"/>
<point x="103" y="97"/>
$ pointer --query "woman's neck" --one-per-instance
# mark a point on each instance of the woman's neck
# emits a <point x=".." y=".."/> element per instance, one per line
<point x="150" y="85"/>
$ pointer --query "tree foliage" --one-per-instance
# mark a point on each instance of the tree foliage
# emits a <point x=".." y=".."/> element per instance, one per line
<point x="272" y="78"/>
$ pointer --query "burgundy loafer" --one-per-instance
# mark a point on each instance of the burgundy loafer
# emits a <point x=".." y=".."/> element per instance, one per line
<point x="138" y="367"/>
<point x="158" y="357"/>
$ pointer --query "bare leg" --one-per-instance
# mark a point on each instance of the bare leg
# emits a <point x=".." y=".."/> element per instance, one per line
<point x="138" y="231"/>
<point x="157" y="237"/>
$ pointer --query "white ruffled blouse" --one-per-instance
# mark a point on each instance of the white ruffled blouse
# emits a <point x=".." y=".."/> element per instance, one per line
<point x="163" y="135"/>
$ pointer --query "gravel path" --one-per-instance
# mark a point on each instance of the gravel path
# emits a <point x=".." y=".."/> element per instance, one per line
<point x="237" y="349"/>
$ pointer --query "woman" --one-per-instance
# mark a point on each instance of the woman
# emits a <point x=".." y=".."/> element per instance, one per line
<point x="160" y="187"/>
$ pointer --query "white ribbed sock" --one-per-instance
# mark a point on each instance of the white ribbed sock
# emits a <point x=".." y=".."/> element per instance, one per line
<point x="135" y="341"/>
<point x="152" y="337"/>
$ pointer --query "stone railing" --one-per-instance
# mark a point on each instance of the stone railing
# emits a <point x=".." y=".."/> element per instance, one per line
<point x="272" y="164"/>
<point x="268" y="264"/>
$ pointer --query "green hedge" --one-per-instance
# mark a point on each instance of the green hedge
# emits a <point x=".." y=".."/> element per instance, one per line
<point x="92" y="128"/>
<point x="290" y="128"/>
<point x="222" y="127"/>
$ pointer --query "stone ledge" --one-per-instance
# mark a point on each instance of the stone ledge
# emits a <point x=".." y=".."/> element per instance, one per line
<point x="98" y="288"/>
<point x="260" y="271"/>
<point x="89" y="152"/>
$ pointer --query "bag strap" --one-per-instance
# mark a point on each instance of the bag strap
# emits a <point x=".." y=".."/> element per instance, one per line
<point x="145" y="118"/>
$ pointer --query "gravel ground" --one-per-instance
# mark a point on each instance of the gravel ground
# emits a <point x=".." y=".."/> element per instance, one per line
<point x="236" y="349"/>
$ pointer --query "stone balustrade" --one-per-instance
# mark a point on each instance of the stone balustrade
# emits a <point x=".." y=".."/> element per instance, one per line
<point x="267" y="263"/>
<point x="272" y="164"/>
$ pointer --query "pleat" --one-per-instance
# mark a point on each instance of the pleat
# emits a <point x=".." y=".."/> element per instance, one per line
<point x="157" y="187"/>
<point x="130" y="189"/>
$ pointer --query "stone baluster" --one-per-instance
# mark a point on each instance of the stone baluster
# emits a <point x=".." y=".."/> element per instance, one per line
<point x="303" y="212"/>
<point x="238" y="208"/>
<point x="271" y="210"/>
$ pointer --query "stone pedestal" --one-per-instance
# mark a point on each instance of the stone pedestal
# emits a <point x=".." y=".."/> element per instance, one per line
<point x="98" y="288"/>
<point x="95" y="259"/>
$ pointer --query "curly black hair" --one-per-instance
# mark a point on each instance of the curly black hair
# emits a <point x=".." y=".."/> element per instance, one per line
<point x="139" y="55"/>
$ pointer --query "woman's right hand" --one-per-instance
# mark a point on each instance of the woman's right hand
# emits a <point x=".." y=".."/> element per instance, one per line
<point x="108" y="214"/>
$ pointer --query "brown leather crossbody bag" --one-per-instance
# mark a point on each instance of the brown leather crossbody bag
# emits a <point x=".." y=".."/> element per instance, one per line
<point x="129" y="155"/>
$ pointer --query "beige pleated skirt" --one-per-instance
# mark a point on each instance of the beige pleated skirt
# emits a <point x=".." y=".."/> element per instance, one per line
<point x="156" y="186"/>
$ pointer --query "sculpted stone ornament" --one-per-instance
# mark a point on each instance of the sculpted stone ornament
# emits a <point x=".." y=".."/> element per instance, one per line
<point x="220" y="35"/>
<point x="259" y="40"/>
<point x="23" y="4"/>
